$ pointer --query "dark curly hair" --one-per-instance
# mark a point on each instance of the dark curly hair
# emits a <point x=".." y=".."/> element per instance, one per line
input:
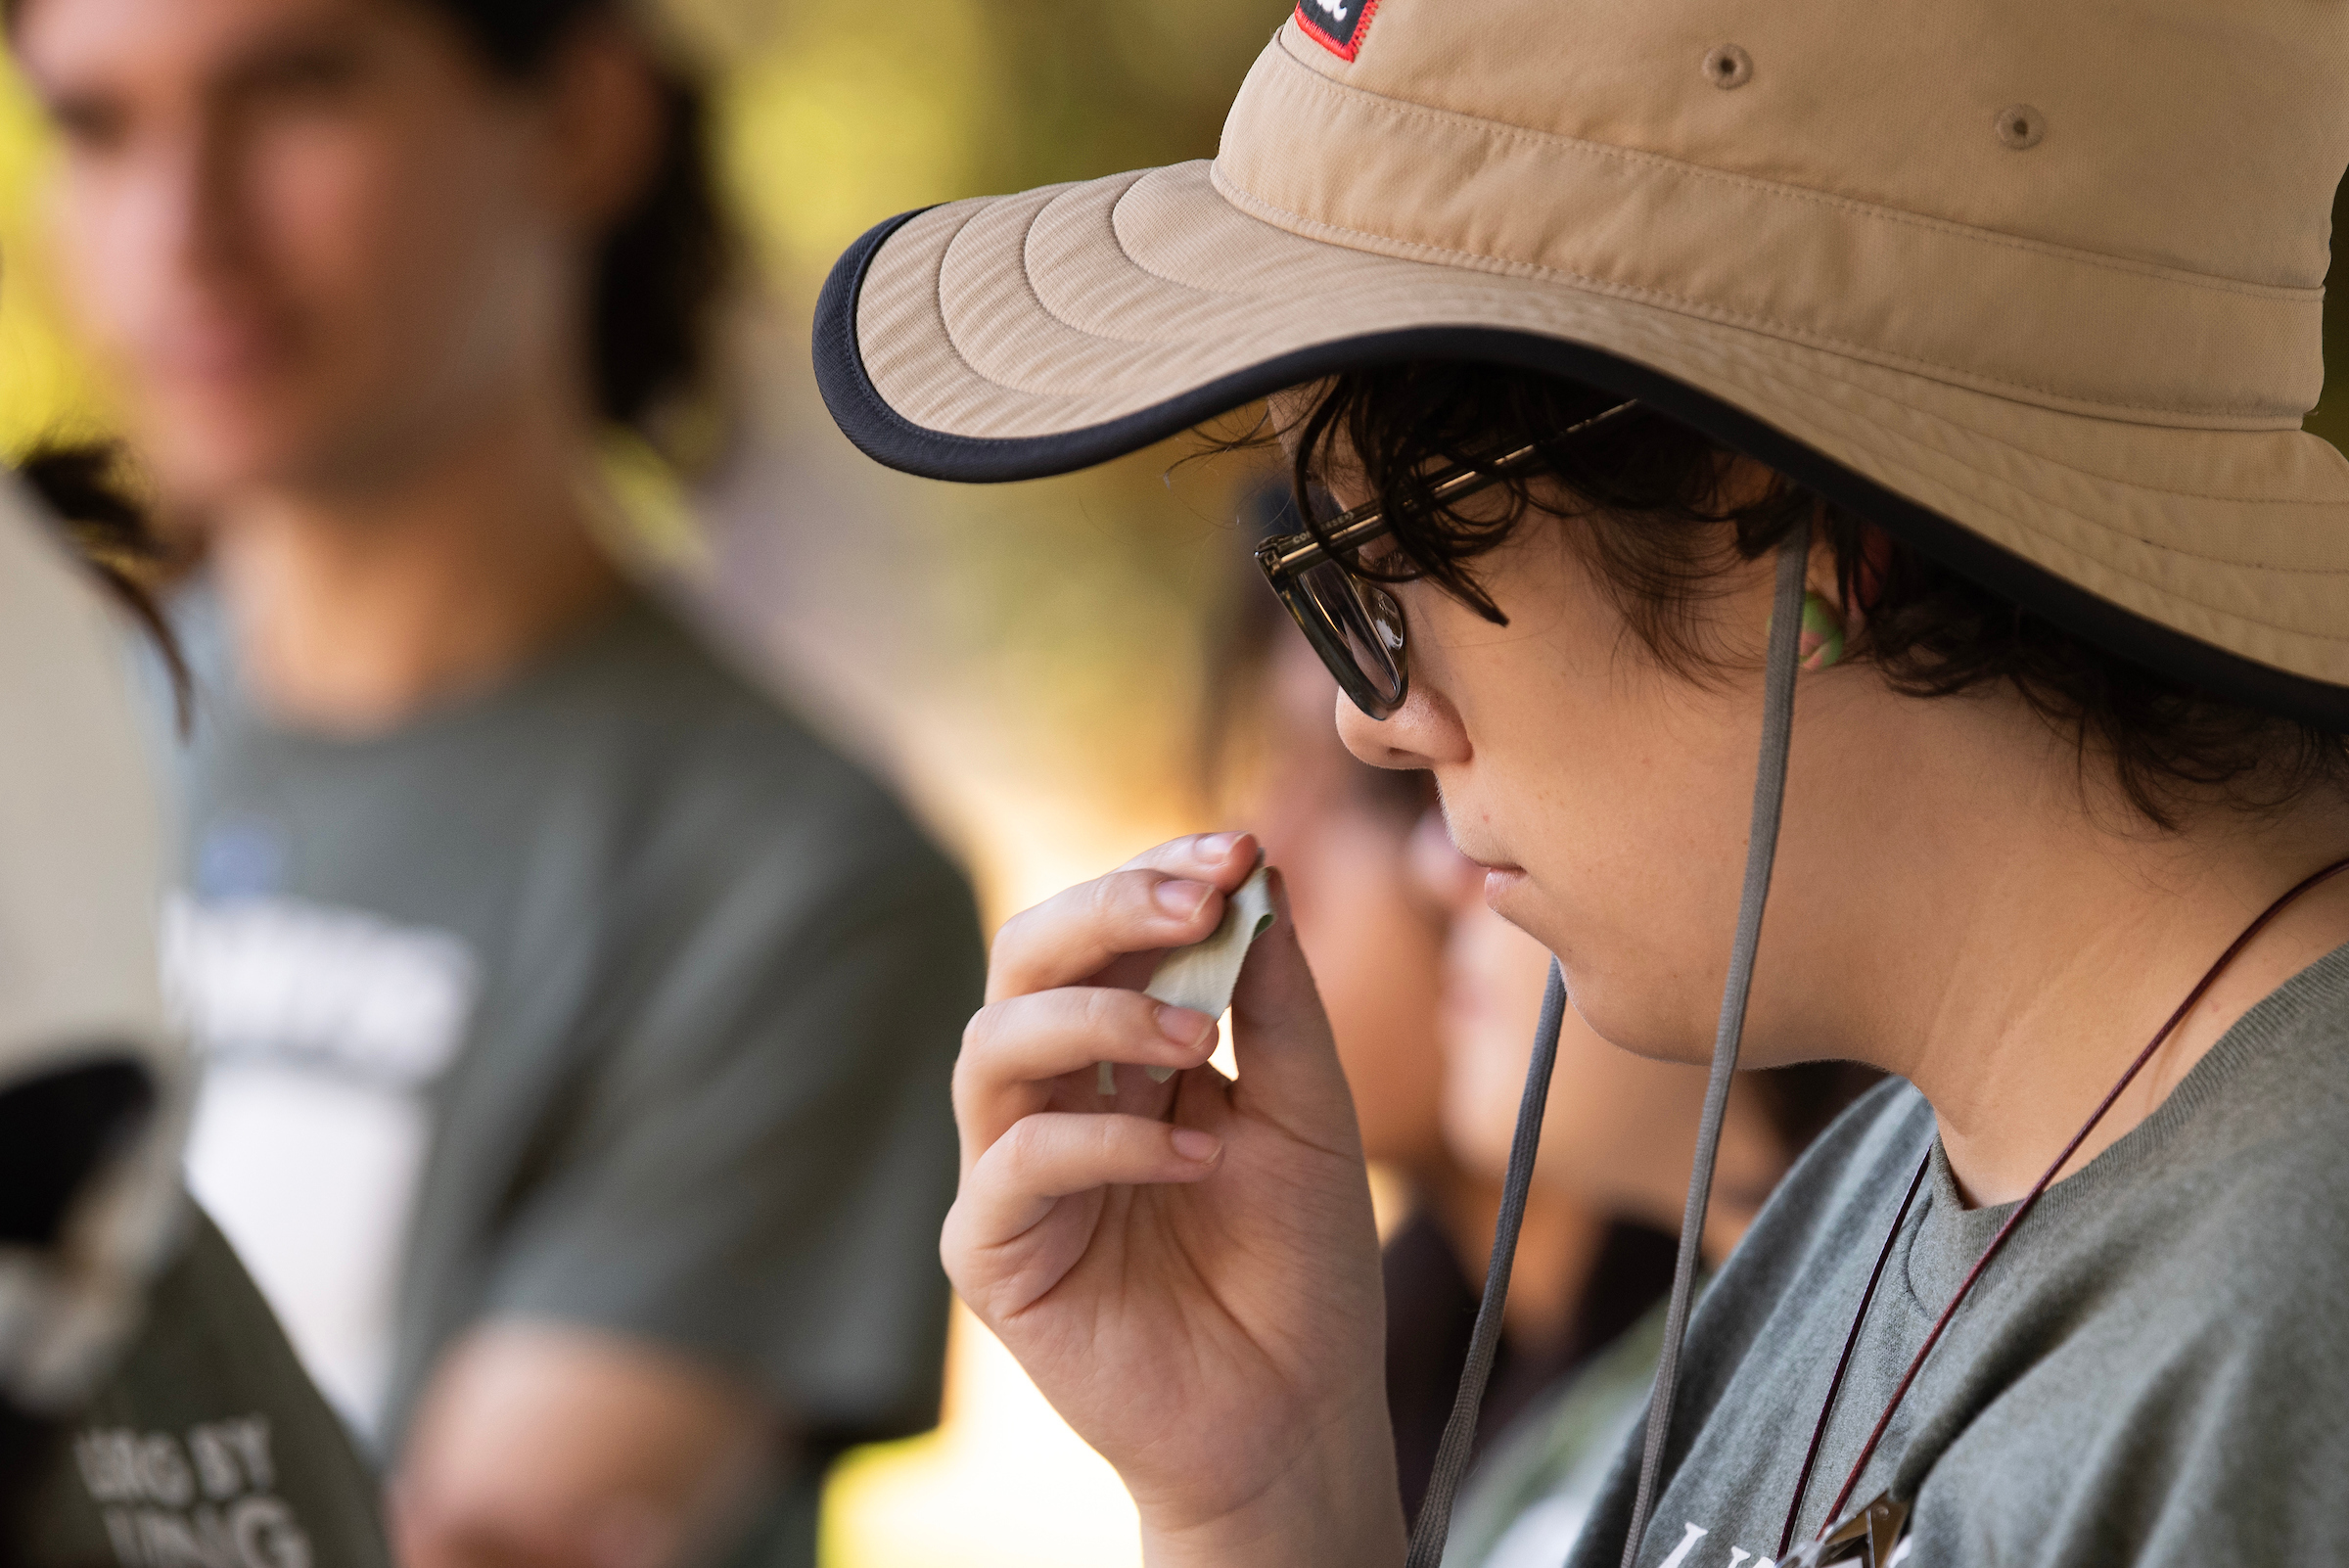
<point x="1653" y="521"/>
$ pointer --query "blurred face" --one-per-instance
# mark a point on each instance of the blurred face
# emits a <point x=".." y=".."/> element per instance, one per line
<point x="1608" y="797"/>
<point x="313" y="238"/>
<point x="1373" y="938"/>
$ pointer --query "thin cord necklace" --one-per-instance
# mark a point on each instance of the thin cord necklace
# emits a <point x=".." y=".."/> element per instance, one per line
<point x="1851" y="1340"/>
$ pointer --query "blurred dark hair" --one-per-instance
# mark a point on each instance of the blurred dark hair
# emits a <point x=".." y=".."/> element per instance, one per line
<point x="90" y="501"/>
<point x="1800" y="1101"/>
<point x="665" y="264"/>
<point x="1653" y="523"/>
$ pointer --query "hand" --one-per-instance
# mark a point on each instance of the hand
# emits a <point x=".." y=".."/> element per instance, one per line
<point x="539" y="1445"/>
<point x="1189" y="1270"/>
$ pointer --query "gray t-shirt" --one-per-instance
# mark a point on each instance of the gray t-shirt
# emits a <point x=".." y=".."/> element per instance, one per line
<point x="613" y="997"/>
<point x="2153" y="1372"/>
<point x="206" y="1446"/>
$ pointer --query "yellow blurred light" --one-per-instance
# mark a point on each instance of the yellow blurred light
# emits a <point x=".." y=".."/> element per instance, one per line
<point x="1003" y="1484"/>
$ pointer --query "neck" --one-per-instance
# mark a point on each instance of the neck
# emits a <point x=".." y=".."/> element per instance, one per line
<point x="2035" y="953"/>
<point x="354" y="608"/>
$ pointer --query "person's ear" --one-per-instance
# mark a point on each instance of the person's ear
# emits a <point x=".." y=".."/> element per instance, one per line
<point x="1827" y="622"/>
<point x="607" y="122"/>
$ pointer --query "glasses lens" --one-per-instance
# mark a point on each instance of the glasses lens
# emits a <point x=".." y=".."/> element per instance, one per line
<point x="1368" y="628"/>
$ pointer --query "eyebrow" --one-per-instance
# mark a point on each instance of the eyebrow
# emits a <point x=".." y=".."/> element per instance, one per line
<point x="314" y="49"/>
<point x="321" y="49"/>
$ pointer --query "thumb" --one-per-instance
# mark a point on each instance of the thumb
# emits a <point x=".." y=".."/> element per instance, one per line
<point x="1280" y="1038"/>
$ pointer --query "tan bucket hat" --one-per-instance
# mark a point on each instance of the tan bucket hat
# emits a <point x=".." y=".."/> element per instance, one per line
<point x="2038" y="287"/>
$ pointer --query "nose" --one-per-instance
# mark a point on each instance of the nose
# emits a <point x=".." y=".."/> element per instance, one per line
<point x="182" y="195"/>
<point x="1423" y="733"/>
<point x="205" y="197"/>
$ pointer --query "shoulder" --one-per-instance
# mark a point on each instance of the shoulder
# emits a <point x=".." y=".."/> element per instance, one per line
<point x="2243" y="1163"/>
<point x="709" y="758"/>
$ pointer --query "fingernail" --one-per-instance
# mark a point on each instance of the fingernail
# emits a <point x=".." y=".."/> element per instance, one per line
<point x="1184" y="899"/>
<point x="1215" y="846"/>
<point x="1184" y="1026"/>
<point x="1193" y="1144"/>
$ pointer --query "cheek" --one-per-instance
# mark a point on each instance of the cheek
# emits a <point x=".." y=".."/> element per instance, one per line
<point x="1619" y="789"/>
<point x="1627" y="807"/>
<point x="108" y="247"/>
<point x="384" y="230"/>
<point x="341" y="211"/>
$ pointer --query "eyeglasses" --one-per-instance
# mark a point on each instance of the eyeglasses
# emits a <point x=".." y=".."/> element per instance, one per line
<point x="1351" y="620"/>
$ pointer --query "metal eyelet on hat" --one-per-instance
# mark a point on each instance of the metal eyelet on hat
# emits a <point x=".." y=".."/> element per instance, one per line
<point x="1728" y="66"/>
<point x="2020" y="127"/>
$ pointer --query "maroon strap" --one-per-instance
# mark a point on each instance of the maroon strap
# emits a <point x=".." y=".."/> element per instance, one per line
<point x="1851" y="1342"/>
<point x="1875" y="1436"/>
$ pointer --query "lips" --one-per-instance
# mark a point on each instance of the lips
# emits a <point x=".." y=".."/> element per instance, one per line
<point x="1499" y="882"/>
<point x="214" y="340"/>
<point x="1496" y="871"/>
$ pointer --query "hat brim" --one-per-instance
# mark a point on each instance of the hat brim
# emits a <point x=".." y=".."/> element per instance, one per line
<point x="1024" y="336"/>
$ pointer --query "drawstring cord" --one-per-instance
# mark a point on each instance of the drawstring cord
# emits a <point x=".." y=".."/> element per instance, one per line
<point x="1851" y="1342"/>
<point x="1769" y="788"/>
<point x="1483" y="1341"/>
<point x="1761" y="852"/>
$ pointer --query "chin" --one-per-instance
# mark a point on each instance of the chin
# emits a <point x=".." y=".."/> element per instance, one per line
<point x="1647" y="1018"/>
<point x="1512" y="895"/>
<point x="204" y="458"/>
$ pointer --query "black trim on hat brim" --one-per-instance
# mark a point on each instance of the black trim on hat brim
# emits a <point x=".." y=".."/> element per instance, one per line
<point x="888" y="437"/>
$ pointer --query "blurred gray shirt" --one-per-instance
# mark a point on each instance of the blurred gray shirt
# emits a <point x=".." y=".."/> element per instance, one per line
<point x="613" y="996"/>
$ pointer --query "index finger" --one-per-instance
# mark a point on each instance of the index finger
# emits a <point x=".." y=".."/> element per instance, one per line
<point x="1167" y="896"/>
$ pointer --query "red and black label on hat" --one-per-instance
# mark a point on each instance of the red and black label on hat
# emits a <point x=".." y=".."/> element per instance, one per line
<point x="1339" y="24"/>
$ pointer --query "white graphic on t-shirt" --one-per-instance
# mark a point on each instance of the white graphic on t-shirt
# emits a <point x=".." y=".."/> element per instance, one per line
<point x="320" y="1030"/>
<point x="1679" y="1554"/>
<point x="335" y="989"/>
<point x="205" y="1502"/>
<point x="1740" y="1557"/>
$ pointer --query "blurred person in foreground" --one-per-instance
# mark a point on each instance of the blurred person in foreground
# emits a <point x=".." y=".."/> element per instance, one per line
<point x="151" y="1410"/>
<point x="1375" y="927"/>
<point x="1616" y="1137"/>
<point x="577" y="1024"/>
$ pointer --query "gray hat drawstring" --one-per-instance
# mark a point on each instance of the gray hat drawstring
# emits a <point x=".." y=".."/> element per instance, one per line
<point x="1434" y="1522"/>
<point x="1761" y="853"/>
